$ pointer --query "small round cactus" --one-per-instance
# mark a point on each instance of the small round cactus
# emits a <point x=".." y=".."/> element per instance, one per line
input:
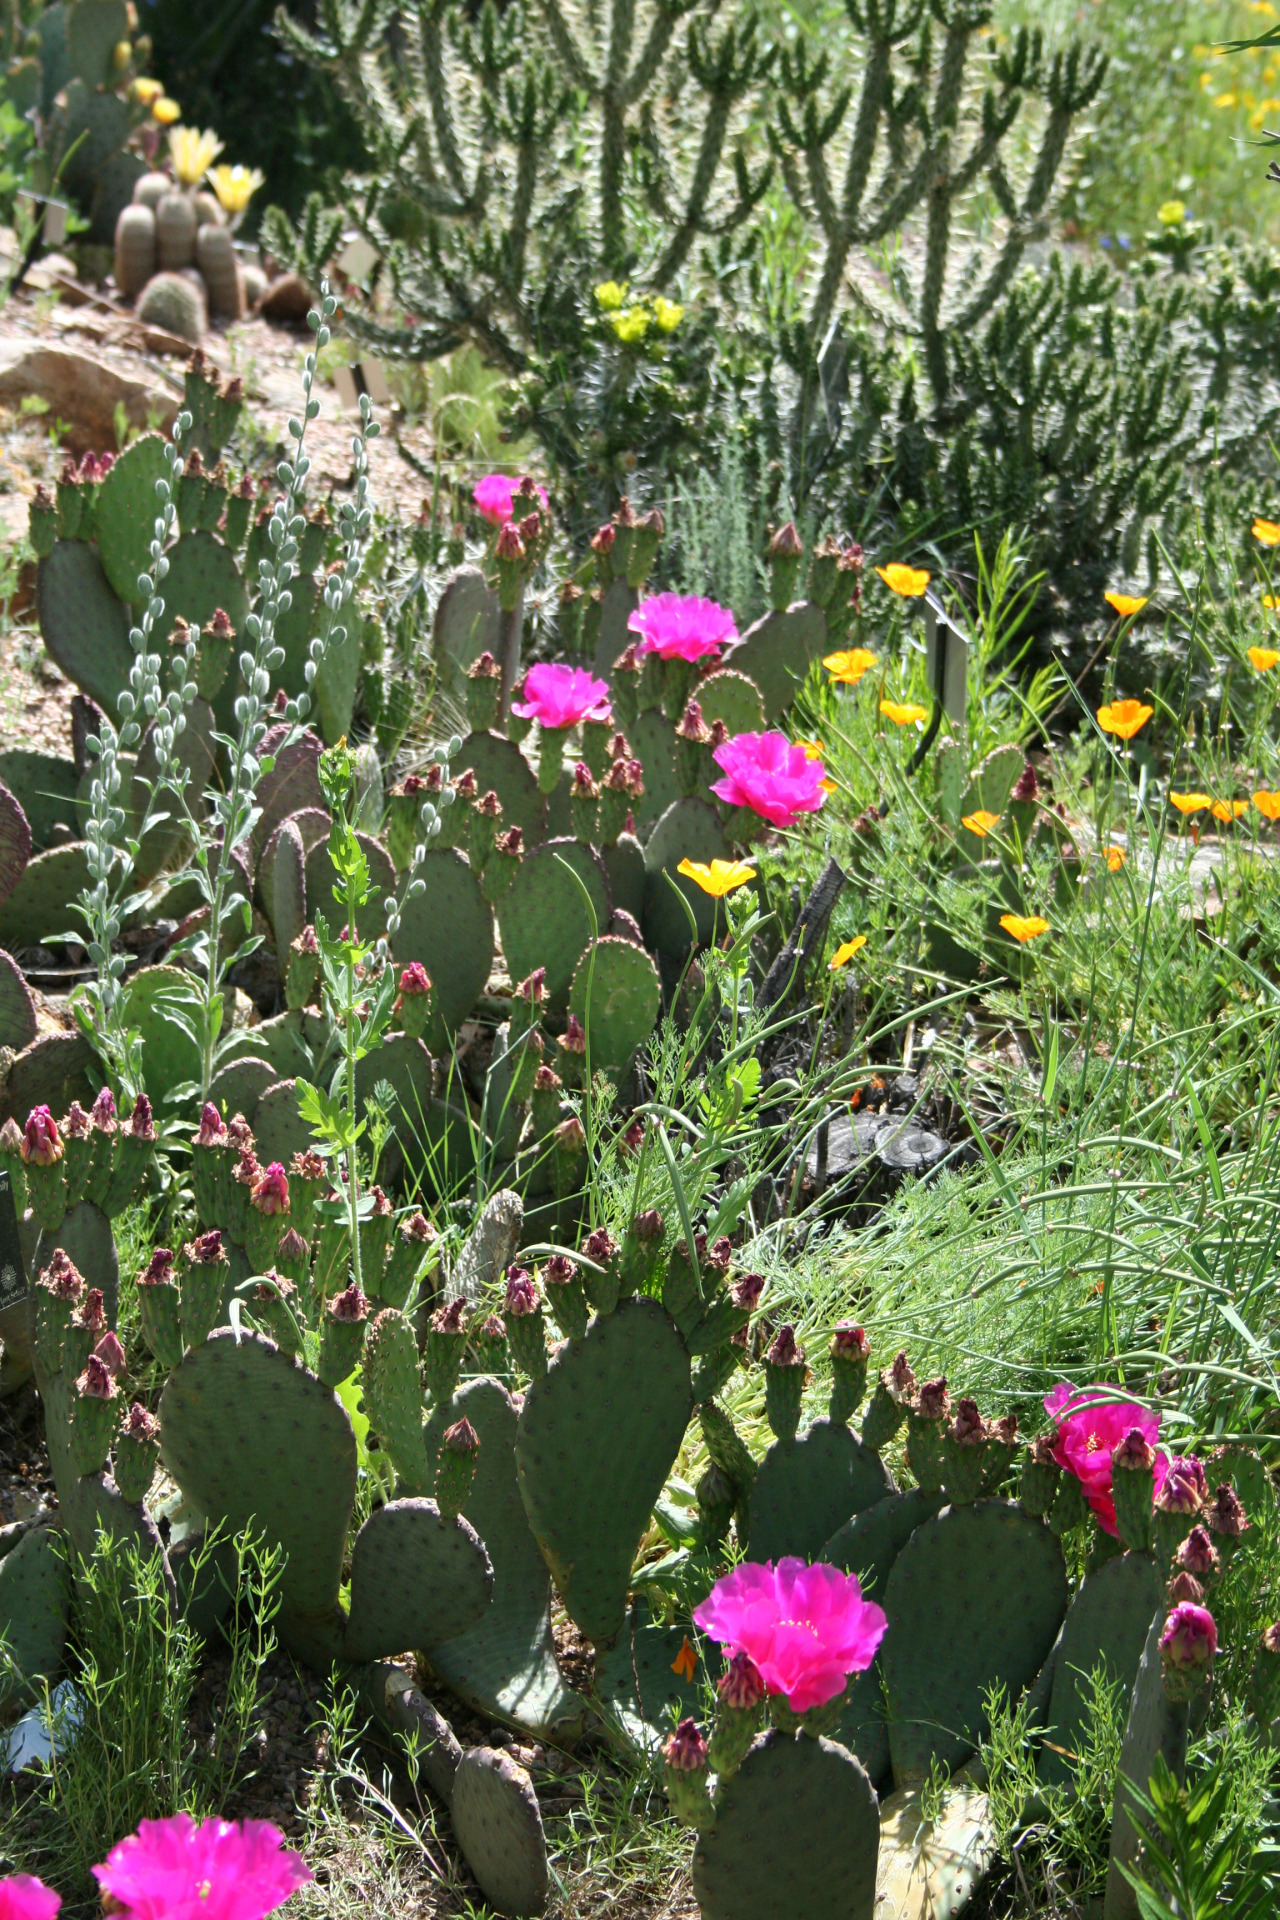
<point x="172" y="302"/>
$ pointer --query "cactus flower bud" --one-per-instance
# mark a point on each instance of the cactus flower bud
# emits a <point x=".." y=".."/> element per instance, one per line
<point x="785" y="1373"/>
<point x="213" y="1128"/>
<point x="1177" y="1502"/>
<point x="933" y="1402"/>
<point x="570" y="1143"/>
<point x="565" y="1295"/>
<point x="511" y="843"/>
<point x="649" y="1225"/>
<point x="522" y="1316"/>
<point x="97" y="1381"/>
<point x="62" y="1277"/>
<point x="1185" y="1586"/>
<point x="90" y="1313"/>
<point x="239" y="1133"/>
<point x="1226" y="1518"/>
<point x="58" y="1289"/>
<point x="111" y="1354"/>
<point x="141" y="1125"/>
<point x="850" y="1353"/>
<point x="137" y="1451"/>
<point x="1133" y="1465"/>
<point x="270" y="1192"/>
<point x="139" y="1424"/>
<point x="522" y="1294"/>
<point x="601" y="1247"/>
<point x="888" y="1405"/>
<point x="76" y="1125"/>
<point x="41" y="1144"/>
<point x="746" y="1290"/>
<point x="686" y="1773"/>
<point x="158" y="1271"/>
<point x="414" y="979"/>
<point x="342" y="1335"/>
<point x="741" y="1710"/>
<point x="740" y="1685"/>
<point x="926" y="1433"/>
<point x="307" y="1166"/>
<point x="602" y="1277"/>
<point x="1187" y="1647"/>
<point x="1026" y="787"/>
<point x="456" y="1468"/>
<point x="1197" y="1555"/>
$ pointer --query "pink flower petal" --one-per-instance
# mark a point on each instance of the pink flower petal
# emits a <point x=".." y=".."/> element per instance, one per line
<point x="222" y="1870"/>
<point x="557" y="696"/>
<point x="682" y="626"/>
<point x="807" y="1628"/>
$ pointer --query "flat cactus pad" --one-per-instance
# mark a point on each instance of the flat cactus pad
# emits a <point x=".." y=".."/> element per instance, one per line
<point x="53" y="1071"/>
<point x="44" y="785"/>
<point x="616" y="994"/>
<point x="202" y="577"/>
<point x="1107" y="1622"/>
<point x="85" y="1236"/>
<point x="653" y="741"/>
<point x="33" y="1611"/>
<point x="83" y="623"/>
<point x="544" y="915"/>
<point x="778" y="651"/>
<point x="869" y="1544"/>
<point x="501" y="768"/>
<point x="641" y="1681"/>
<point x="17" y="1008"/>
<point x="689" y="829"/>
<point x="807" y="1487"/>
<point x="125" y="511"/>
<point x="449" y="928"/>
<point x="15" y="842"/>
<point x="993" y="781"/>
<point x="320" y="884"/>
<point x="733" y="698"/>
<point x="41" y="905"/>
<point x="278" y="1127"/>
<point x="416" y="1579"/>
<point x="499" y="1828"/>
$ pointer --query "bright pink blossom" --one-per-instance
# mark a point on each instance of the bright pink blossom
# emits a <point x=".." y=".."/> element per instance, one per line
<point x="765" y="772"/>
<point x="221" y="1870"/>
<point x="1088" y="1435"/>
<point x="415" y="979"/>
<point x="806" y="1628"/>
<point x="23" y="1897"/>
<point x="493" y="498"/>
<point x="682" y="626"/>
<point x="558" y="696"/>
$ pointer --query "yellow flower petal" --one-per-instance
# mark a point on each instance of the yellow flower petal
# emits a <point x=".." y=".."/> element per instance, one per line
<point x="849" y="665"/>
<point x="721" y="877"/>
<point x="193" y="153"/>
<point x="1263" y="658"/>
<point x="1115" y="858"/>
<point x="1023" y="926"/>
<point x="1267" y="803"/>
<point x="235" y="186"/>
<point x="829" y="785"/>
<point x="902" y="716"/>
<point x="1124" y="718"/>
<point x="1190" y="802"/>
<point x="844" y="954"/>
<point x="668" y="314"/>
<point x="907" y="581"/>
<point x="813" y="749"/>
<point x="686" y="1661"/>
<point x="1229" y="809"/>
<point x="980" y="822"/>
<point x="1271" y="600"/>
<point x="1267" y="531"/>
<point x="610" y="295"/>
<point x="1126" y="604"/>
<point x="632" y="325"/>
<point x="1171" y="213"/>
<point x="166" y="111"/>
<point x="145" y="92"/>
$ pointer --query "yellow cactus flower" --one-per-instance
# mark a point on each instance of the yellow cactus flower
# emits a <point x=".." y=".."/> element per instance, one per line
<point x="980" y="822"/>
<point x="1115" y="858"/>
<point x="145" y="91"/>
<point x="1229" y="810"/>
<point x="1023" y="926"/>
<point x="1262" y="659"/>
<point x="844" y="954"/>
<point x="668" y="314"/>
<point x="1126" y="604"/>
<point x="1124" y="718"/>
<point x="909" y="582"/>
<point x="1267" y="803"/>
<point x="193" y="153"/>
<point x="849" y="665"/>
<point x="902" y="715"/>
<point x="610" y="296"/>
<point x="1171" y="213"/>
<point x="632" y="325"/>
<point x="235" y="186"/>
<point x="165" y="110"/>
<point x="721" y="877"/>
<point x="1190" y="802"/>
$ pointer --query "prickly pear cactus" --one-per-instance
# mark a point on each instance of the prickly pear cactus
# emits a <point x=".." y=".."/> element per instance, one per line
<point x="416" y="1579"/>
<point x="806" y="1488"/>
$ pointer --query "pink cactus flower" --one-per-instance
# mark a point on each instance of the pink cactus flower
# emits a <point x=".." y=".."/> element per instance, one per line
<point x="213" y="1128"/>
<point x="682" y="626"/>
<point x="23" y="1897"/>
<point x="271" y="1190"/>
<point x="806" y="1628"/>
<point x="494" y="498"/>
<point x="1190" y="1637"/>
<point x="414" y="978"/>
<point x="1088" y="1435"/>
<point x="221" y="1870"/>
<point x="765" y="772"/>
<point x="41" y="1144"/>
<point x="558" y="697"/>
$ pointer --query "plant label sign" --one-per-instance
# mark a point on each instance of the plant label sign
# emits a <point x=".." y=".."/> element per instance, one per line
<point x="14" y="1284"/>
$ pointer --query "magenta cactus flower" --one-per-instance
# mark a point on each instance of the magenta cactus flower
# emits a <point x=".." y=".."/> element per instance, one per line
<point x="682" y="626"/>
<point x="494" y="498"/>
<point x="271" y="1190"/>
<point x="558" y="697"/>
<point x="806" y="1628"/>
<point x="765" y="772"/>
<point x="41" y="1142"/>
<point x="220" y="1870"/>
<point x="1190" y="1637"/>
<point x="1090" y="1429"/>
<point x="415" y="979"/>
<point x="213" y="1128"/>
<point x="23" y="1897"/>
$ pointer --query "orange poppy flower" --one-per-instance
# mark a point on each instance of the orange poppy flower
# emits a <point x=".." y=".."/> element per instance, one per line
<point x="1262" y="659"/>
<point x="1023" y="926"/>
<point x="909" y="582"/>
<point x="1271" y="600"/>
<point x="1267" y="803"/>
<point x="1115" y="858"/>
<point x="844" y="954"/>
<point x="1124" y="717"/>
<point x="1268" y="532"/>
<point x="1126" y="604"/>
<point x="980" y="822"/>
<point x="1190" y="802"/>
<point x="686" y="1661"/>
<point x="849" y="665"/>
<point x="902" y="716"/>
<point x="1229" y="809"/>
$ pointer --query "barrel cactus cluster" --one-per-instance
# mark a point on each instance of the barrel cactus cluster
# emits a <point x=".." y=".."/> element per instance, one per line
<point x="175" y="252"/>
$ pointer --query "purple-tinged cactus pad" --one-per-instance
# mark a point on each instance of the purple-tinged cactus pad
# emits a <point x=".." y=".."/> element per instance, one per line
<point x="499" y="1828"/>
<point x="15" y="843"/>
<point x="1107" y="1622"/>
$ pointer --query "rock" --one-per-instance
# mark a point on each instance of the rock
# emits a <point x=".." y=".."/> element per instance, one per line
<point x="869" y="1149"/>
<point x="288" y="300"/>
<point x="82" y="391"/>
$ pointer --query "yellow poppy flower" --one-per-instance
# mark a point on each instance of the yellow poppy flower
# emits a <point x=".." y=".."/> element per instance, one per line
<point x="1267" y="803"/>
<point x="813" y="749"/>
<point x="632" y="325"/>
<point x="902" y="716"/>
<point x="668" y="314"/>
<point x="1171" y="213"/>
<point x="1229" y="809"/>
<point x="907" y="581"/>
<point x="849" y="665"/>
<point x="1126" y="604"/>
<point x="980" y="822"/>
<point x="844" y="954"/>
<point x="1124" y="718"/>
<point x="1227" y="99"/>
<point x="193" y="153"/>
<point x="1271" y="600"/>
<point x="235" y="186"/>
<point x="610" y="295"/>
<point x="685" y="1663"/>
<point x="1115" y="858"/>
<point x="1267" y="531"/>
<point x="1263" y="658"/>
<point x="829" y="785"/>
<point x="165" y="110"/>
<point x="721" y="877"/>
<point x="1190" y="802"/>
<point x="1023" y="926"/>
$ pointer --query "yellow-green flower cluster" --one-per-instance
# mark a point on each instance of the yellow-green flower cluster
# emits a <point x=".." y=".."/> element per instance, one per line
<point x="631" y="317"/>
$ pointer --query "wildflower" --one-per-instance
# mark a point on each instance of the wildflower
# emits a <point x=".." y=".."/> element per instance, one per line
<point x="493" y="498"/>
<point x="1171" y="213"/>
<point x="845" y="952"/>
<point x="765" y="772"/>
<point x="685" y="1663"/>
<point x="1115" y="858"/>
<point x="1229" y="809"/>
<point x="1023" y="926"/>
<point x="631" y="326"/>
<point x="902" y="716"/>
<point x="193" y="153"/>
<point x="1088" y="1435"/>
<point x="1267" y="531"/>
<point x="721" y="877"/>
<point x="1271" y="600"/>
<point x="681" y="626"/>
<point x="1124" y="718"/>
<point x="560" y="697"/>
<point x="166" y="111"/>
<point x="1267" y="803"/>
<point x="806" y="1628"/>
<point x="220" y="1870"/>
<point x="1190" y="802"/>
<point x="1126" y="604"/>
<point x="1227" y="99"/>
<point x="610" y="296"/>
<point x="235" y="186"/>
<point x="145" y="92"/>
<point x="1262" y="659"/>
<point x="23" y="1897"/>
<point x="849" y="665"/>
<point x="667" y="313"/>
<point x="813" y="749"/>
<point x="908" y="582"/>
<point x="980" y="822"/>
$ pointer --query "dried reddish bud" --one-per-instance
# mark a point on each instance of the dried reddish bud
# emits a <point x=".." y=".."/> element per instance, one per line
<point x="138" y="1424"/>
<point x="560" y="1270"/>
<point x="96" y="1383"/>
<point x="719" y="1254"/>
<point x="485" y="668"/>
<point x="583" y="786"/>
<point x="933" y="1402"/>
<point x="247" y="1172"/>
<point x="448" y="1319"/>
<point x="1026" y="786"/>
<point x="111" y="1354"/>
<point x="718" y="735"/>
<point x="381" y="1205"/>
<point x="270" y="1192"/>
<point x="488" y="806"/>
<point x="1197" y="1554"/>
<point x="141" y="1124"/>
<point x="349" y="1306"/>
<point x="785" y="1352"/>
<point x="1185" y="1586"/>
<point x="213" y="1128"/>
<point x="510" y="546"/>
<point x="574" y="1037"/>
<point x="206" y="1250"/>
<point x="569" y="1136"/>
<point x="61" y="1277"/>
<point x="899" y="1380"/>
<point x="522" y="1295"/>
<point x="461" y="1437"/>
<point x="534" y="988"/>
<point x="220" y="627"/>
<point x="602" y="542"/>
<point x="746" y="1290"/>
<point x="648" y="1225"/>
<point x="158" y="1271"/>
<point x="465" y="785"/>
<point x="1226" y="1515"/>
<point x="692" y="726"/>
<point x="1006" y="1430"/>
<point x="239" y="1132"/>
<point x="493" y="1329"/>
<point x="601" y="1247"/>
<point x="292" y="1247"/>
<point x="307" y="1166"/>
<point x="76" y="1124"/>
<point x="968" y="1428"/>
<point x="511" y="842"/>
<point x="418" y="1229"/>
<point x="90" y="1312"/>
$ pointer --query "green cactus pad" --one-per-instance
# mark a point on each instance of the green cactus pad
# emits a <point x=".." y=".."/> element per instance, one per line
<point x="41" y="905"/>
<point x="993" y="781"/>
<point x="86" y="1238"/>
<point x="125" y="512"/>
<point x="44" y="786"/>
<point x="202" y="577"/>
<point x="52" y="1072"/>
<point x="292" y="787"/>
<point x="624" y="864"/>
<point x="653" y="742"/>
<point x="1155" y="1725"/>
<point x="466" y="625"/>
<point x="336" y="683"/>
<point x="620" y="602"/>
<point x="294" y="630"/>
<point x="287" y="903"/>
<point x="544" y="916"/>
<point x="17" y="1008"/>
<point x="416" y="1580"/>
<point x="796" y="1836"/>
<point x="498" y="1824"/>
<point x="94" y="29"/>
<point x="248" y="1432"/>
<point x="321" y="877"/>
<point x="869" y="1544"/>
<point x="949" y="778"/>
<point x="238" y="1087"/>
<point x="206" y="1579"/>
<point x="778" y="651"/>
<point x="505" y="1666"/>
<point x="34" y="1595"/>
<point x="278" y="1127"/>
<point x="956" y="1629"/>
<point x="1107" y="1622"/>
<point x="311" y="824"/>
<point x="733" y="698"/>
<point x="501" y="768"/>
<point x="805" y="1488"/>
<point x="406" y="1065"/>
<point x="55" y="64"/>
<point x="15" y="842"/>
<point x="283" y="1041"/>
<point x="449" y="928"/>
<point x="170" y="1057"/>
<point x="616" y="994"/>
<point x="83" y="624"/>
<point x="103" y="120"/>
<point x="689" y="829"/>
<point x="639" y="1685"/>
<point x="597" y="1438"/>
<point x="94" y="1505"/>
